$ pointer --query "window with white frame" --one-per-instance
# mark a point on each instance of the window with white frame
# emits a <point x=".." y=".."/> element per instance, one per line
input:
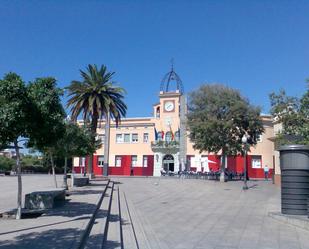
<point x="101" y="137"/>
<point x="145" y="161"/>
<point x="82" y="162"/>
<point x="256" y="162"/>
<point x="134" y="138"/>
<point x="259" y="138"/>
<point x="100" y="161"/>
<point x="126" y="138"/>
<point x="119" y="138"/>
<point x="177" y="136"/>
<point x="146" y="137"/>
<point x="118" y="161"/>
<point x="134" y="161"/>
<point x="160" y="135"/>
<point x="168" y="136"/>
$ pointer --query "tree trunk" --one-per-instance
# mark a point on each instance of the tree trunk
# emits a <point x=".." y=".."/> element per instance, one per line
<point x="106" y="144"/>
<point x="53" y="169"/>
<point x="222" y="167"/>
<point x="94" y="125"/>
<point x="65" y="182"/>
<point x="19" y="188"/>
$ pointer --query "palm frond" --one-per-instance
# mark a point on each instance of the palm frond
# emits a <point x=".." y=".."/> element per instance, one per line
<point x="96" y="95"/>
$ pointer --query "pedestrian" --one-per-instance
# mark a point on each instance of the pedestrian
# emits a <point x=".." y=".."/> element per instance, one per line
<point x="266" y="171"/>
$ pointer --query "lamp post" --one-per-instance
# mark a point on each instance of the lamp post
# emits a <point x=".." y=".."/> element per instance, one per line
<point x="244" y="140"/>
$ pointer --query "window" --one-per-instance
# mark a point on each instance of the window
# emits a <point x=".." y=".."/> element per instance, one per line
<point x="259" y="138"/>
<point x="82" y="162"/>
<point x="158" y="112"/>
<point x="145" y="138"/>
<point x="134" y="138"/>
<point x="118" y="161"/>
<point x="168" y="136"/>
<point x="100" y="161"/>
<point x="133" y="161"/>
<point x="101" y="137"/>
<point x="160" y="135"/>
<point x="145" y="161"/>
<point x="119" y="138"/>
<point x="126" y="138"/>
<point x="177" y="135"/>
<point x="256" y="162"/>
<point x="205" y="163"/>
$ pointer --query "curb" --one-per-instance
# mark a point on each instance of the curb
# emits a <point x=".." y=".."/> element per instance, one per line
<point x="300" y="221"/>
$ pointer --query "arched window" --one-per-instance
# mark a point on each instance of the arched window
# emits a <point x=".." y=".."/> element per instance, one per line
<point x="158" y="112"/>
<point x="177" y="135"/>
<point x="168" y="136"/>
<point x="159" y="136"/>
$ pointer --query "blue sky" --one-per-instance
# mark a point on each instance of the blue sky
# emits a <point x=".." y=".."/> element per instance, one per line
<point x="254" y="46"/>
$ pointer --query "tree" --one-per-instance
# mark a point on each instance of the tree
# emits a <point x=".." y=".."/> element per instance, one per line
<point x="96" y="97"/>
<point x="6" y="164"/>
<point x="14" y="120"/>
<point x="293" y="113"/>
<point x="218" y="118"/>
<point x="76" y="141"/>
<point x="49" y="115"/>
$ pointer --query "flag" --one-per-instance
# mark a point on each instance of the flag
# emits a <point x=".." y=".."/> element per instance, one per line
<point x="172" y="134"/>
<point x="156" y="134"/>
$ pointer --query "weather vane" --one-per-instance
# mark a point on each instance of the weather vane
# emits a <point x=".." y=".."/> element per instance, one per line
<point x="172" y="64"/>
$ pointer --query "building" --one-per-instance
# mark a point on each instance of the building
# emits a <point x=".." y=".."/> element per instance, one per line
<point x="144" y="146"/>
<point x="8" y="153"/>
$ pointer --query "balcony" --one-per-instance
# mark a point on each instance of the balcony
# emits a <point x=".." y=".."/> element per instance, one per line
<point x="165" y="146"/>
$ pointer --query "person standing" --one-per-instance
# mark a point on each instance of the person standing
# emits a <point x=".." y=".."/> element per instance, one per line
<point x="266" y="171"/>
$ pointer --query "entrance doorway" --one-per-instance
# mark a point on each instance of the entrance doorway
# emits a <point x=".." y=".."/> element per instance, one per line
<point x="168" y="163"/>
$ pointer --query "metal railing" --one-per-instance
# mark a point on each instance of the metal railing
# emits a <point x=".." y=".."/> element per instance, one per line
<point x="165" y="144"/>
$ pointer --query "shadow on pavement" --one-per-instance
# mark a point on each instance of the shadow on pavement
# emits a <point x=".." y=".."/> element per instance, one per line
<point x="45" y="225"/>
<point x="72" y="209"/>
<point x="51" y="239"/>
<point x="253" y="186"/>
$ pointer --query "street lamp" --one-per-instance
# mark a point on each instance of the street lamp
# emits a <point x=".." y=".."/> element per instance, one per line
<point x="244" y="140"/>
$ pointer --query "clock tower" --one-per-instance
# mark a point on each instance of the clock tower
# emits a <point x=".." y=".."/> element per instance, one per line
<point x="170" y="146"/>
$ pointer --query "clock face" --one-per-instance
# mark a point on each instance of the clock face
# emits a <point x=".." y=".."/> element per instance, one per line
<point x="169" y="106"/>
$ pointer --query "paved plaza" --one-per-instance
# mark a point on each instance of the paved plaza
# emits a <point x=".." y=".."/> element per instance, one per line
<point x="201" y="214"/>
<point x="166" y="212"/>
<point x="58" y="228"/>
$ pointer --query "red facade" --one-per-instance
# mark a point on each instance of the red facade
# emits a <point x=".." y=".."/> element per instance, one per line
<point x="125" y="169"/>
<point x="234" y="164"/>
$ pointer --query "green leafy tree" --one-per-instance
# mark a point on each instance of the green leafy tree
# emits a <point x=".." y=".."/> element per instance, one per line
<point x="97" y="97"/>
<point x="6" y="164"/>
<point x="293" y="113"/>
<point x="14" y="120"/>
<point x="218" y="117"/>
<point x="75" y="142"/>
<point x="30" y="160"/>
<point x="49" y="116"/>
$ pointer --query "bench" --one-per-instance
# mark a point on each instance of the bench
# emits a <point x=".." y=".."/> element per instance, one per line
<point x="44" y="199"/>
<point x="81" y="181"/>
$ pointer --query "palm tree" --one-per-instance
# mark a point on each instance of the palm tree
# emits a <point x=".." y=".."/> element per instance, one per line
<point x="96" y="97"/>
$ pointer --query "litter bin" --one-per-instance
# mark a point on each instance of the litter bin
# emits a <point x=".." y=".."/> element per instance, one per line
<point x="294" y="164"/>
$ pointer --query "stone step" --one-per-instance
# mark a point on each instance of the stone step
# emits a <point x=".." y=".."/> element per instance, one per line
<point x="114" y="234"/>
<point x="97" y="235"/>
<point x="126" y="224"/>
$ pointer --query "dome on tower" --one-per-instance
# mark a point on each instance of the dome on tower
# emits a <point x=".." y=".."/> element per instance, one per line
<point x="169" y="79"/>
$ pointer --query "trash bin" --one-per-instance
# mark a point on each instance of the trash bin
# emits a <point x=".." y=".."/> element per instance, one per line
<point x="294" y="164"/>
